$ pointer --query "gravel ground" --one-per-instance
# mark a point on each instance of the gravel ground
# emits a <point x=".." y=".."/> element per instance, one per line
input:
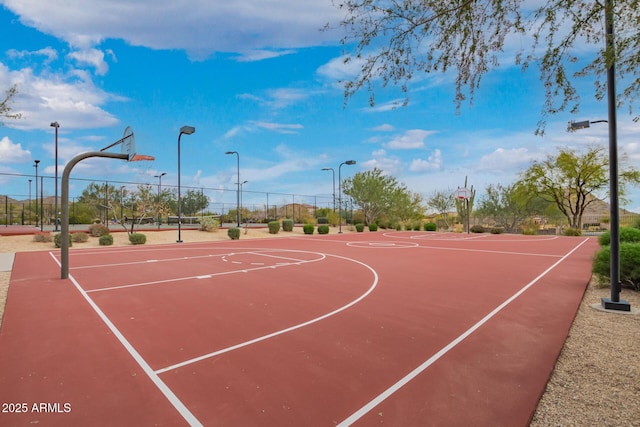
<point x="596" y="381"/>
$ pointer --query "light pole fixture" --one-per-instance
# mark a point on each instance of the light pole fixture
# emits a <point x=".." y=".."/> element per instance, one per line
<point x="238" y="190"/>
<point x="56" y="125"/>
<point x="159" y="189"/>
<point x="348" y="162"/>
<point x="36" y="166"/>
<point x="333" y="173"/>
<point x="186" y="130"/>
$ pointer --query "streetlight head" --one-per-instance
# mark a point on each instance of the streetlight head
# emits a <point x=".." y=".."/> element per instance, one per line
<point x="326" y="169"/>
<point x="188" y="130"/>
<point x="350" y="162"/>
<point x="36" y="162"/>
<point x="578" y="125"/>
<point x="231" y="152"/>
<point x="55" y="125"/>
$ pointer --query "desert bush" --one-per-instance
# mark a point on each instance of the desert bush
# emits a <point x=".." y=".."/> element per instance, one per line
<point x="97" y="230"/>
<point x="627" y="234"/>
<point x="274" y="227"/>
<point x="629" y="264"/>
<point x="287" y="225"/>
<point x="106" y="240"/>
<point x="57" y="240"/>
<point x="45" y="237"/>
<point x="323" y="229"/>
<point x="79" y="237"/>
<point x="373" y="227"/>
<point x="308" y="228"/>
<point x="477" y="229"/>
<point x="430" y="226"/>
<point x="233" y="233"/>
<point x="416" y="226"/>
<point x="209" y="223"/>
<point x="496" y="230"/>
<point x="137" y="238"/>
<point x="359" y="227"/>
<point x="572" y="232"/>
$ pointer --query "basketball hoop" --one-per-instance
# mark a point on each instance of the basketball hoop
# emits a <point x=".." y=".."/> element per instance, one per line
<point x="462" y="194"/>
<point x="128" y="147"/>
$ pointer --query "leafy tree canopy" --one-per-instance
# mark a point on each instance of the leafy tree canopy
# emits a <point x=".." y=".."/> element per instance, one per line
<point x="395" y="41"/>
<point x="573" y="180"/>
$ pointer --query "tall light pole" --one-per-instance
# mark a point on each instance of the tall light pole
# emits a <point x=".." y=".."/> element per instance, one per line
<point x="159" y="189"/>
<point x="29" y="201"/>
<point x="348" y="162"/>
<point x="613" y="303"/>
<point x="56" y="125"/>
<point x="333" y="173"/>
<point x="187" y="130"/>
<point x="241" y="184"/>
<point x="36" y="166"/>
<point x="238" y="190"/>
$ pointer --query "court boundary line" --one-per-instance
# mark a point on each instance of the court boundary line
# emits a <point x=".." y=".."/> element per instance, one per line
<point x="155" y="379"/>
<point x="282" y="331"/>
<point x="368" y="407"/>
<point x="209" y="275"/>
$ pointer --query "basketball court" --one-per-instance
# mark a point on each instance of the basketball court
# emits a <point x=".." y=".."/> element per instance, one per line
<point x="396" y="328"/>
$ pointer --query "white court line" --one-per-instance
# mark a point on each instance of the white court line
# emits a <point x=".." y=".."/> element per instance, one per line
<point x="417" y="371"/>
<point x="164" y="389"/>
<point x="223" y="273"/>
<point x="144" y="262"/>
<point x="283" y="331"/>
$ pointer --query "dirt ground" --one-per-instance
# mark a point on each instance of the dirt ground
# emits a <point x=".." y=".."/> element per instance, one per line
<point x="596" y="381"/>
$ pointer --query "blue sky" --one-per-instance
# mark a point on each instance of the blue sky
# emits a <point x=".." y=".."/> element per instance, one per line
<point x="263" y="82"/>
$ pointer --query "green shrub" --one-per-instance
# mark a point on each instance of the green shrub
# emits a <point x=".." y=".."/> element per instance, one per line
<point x="627" y="234"/>
<point x="209" y="223"/>
<point x="137" y="238"/>
<point x="323" y="229"/>
<point x="430" y="226"/>
<point x="106" y="240"/>
<point x="41" y="237"/>
<point x="359" y="227"/>
<point x="629" y="264"/>
<point x="373" y="227"/>
<point x="477" y="229"/>
<point x="287" y="225"/>
<point x="308" y="228"/>
<point x="233" y="233"/>
<point x="323" y="220"/>
<point x="572" y="232"/>
<point x="97" y="230"/>
<point x="80" y="237"/>
<point x="416" y="226"/>
<point x="57" y="240"/>
<point x="398" y="227"/>
<point x="274" y="227"/>
<point x="496" y="230"/>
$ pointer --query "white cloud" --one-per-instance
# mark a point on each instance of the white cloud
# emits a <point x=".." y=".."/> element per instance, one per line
<point x="72" y="100"/>
<point x="49" y="53"/>
<point x="433" y="163"/>
<point x="278" y="127"/>
<point x="383" y="128"/>
<point x="411" y="139"/>
<point x="502" y="160"/>
<point x="201" y="28"/>
<point x="91" y="57"/>
<point x="13" y="153"/>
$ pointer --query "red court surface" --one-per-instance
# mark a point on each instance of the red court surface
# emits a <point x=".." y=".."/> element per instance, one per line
<point x="398" y="328"/>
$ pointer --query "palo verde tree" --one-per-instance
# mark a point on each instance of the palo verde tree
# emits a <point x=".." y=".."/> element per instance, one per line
<point x="397" y="41"/>
<point x="572" y="180"/>
<point x="442" y="202"/>
<point x="5" y="106"/>
<point x="377" y="194"/>
<point x="193" y="201"/>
